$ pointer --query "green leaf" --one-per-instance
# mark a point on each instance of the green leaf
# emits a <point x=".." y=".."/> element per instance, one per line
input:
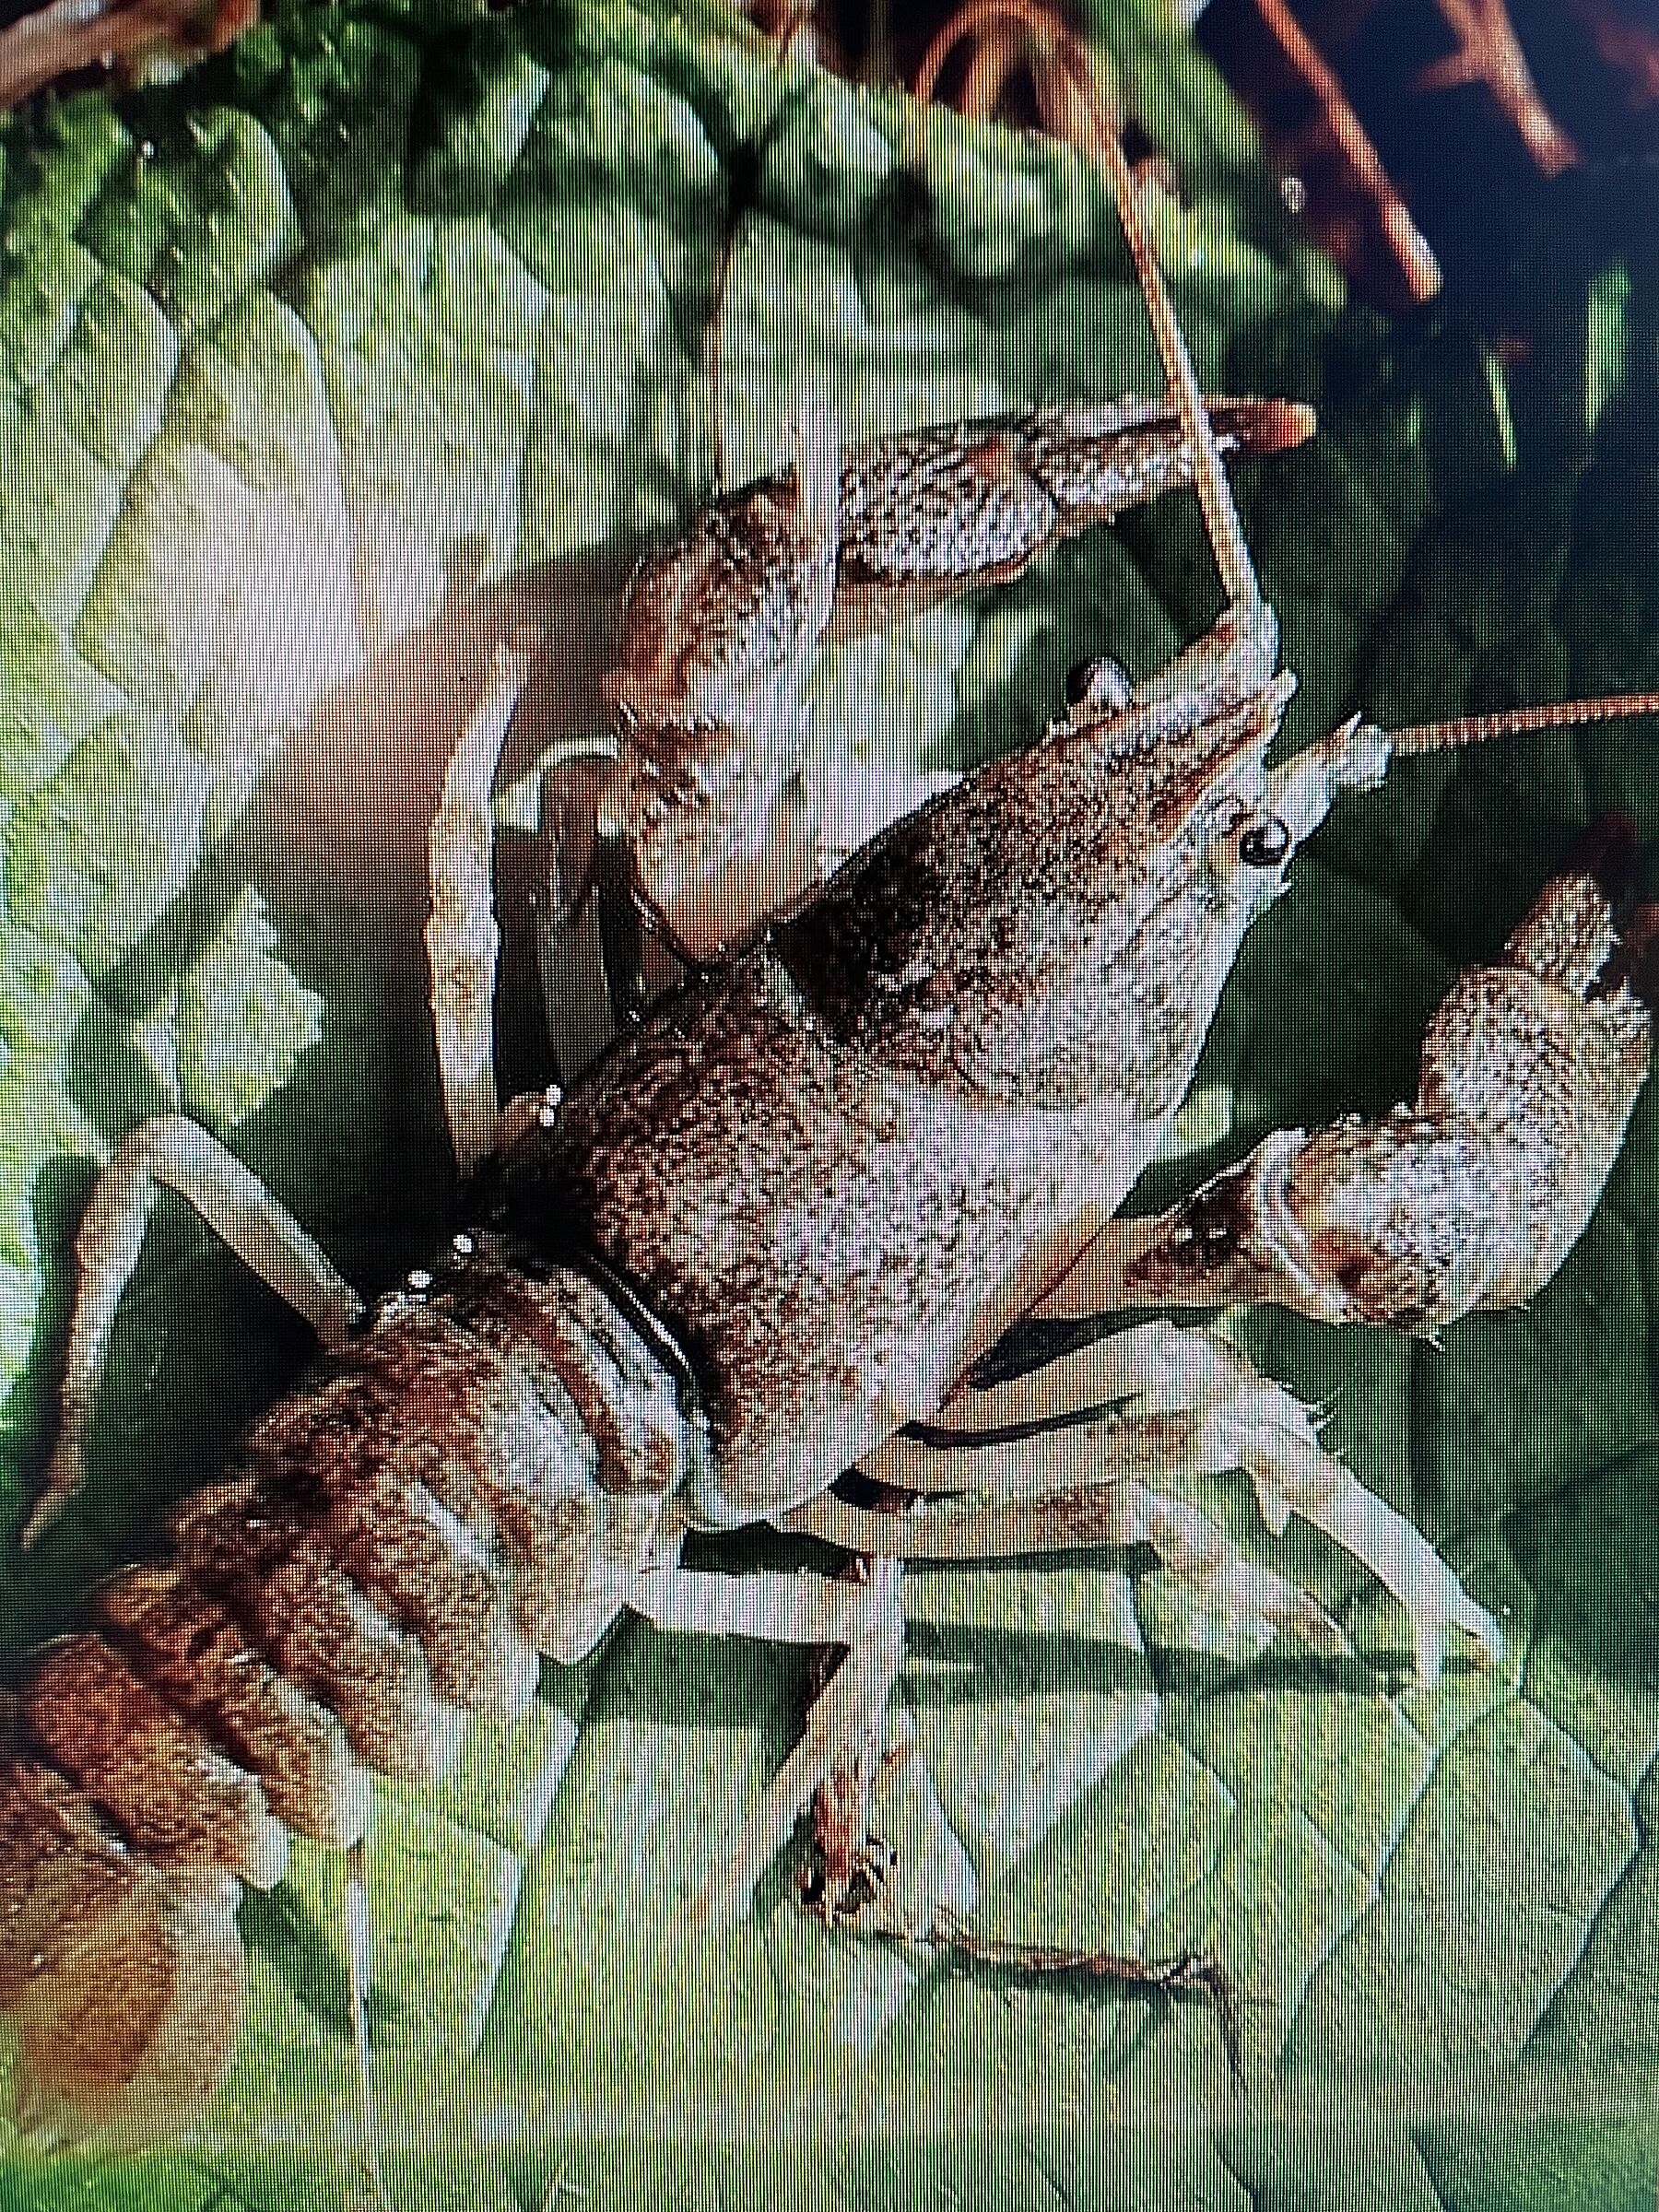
<point x="393" y="314"/>
<point x="243" y="1021"/>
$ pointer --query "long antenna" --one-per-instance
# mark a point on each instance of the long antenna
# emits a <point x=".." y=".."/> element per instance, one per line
<point x="1209" y="478"/>
<point x="1075" y="109"/>
<point x="1518" y="722"/>
<point x="745" y="168"/>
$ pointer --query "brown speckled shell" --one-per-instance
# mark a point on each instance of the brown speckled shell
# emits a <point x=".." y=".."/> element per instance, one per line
<point x="827" y="1238"/>
<point x="1472" y="1197"/>
<point x="124" y="1979"/>
<point x="840" y="1167"/>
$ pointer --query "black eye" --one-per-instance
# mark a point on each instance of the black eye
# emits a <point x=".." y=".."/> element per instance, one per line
<point x="1097" y="684"/>
<point x="1265" y="843"/>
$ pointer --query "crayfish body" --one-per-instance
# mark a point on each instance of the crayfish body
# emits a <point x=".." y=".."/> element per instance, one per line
<point x="771" y="1229"/>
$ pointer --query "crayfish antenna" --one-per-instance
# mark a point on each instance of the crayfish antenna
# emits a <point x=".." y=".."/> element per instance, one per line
<point x="743" y="165"/>
<point x="1517" y="722"/>
<point x="1092" y="120"/>
<point x="1075" y="109"/>
<point x="1358" y="756"/>
<point x="1240" y="652"/>
<point x="359" y="1977"/>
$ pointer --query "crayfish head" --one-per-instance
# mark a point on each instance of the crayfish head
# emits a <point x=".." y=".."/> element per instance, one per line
<point x="1173" y="772"/>
<point x="1055" y="933"/>
<point x="1194" y="847"/>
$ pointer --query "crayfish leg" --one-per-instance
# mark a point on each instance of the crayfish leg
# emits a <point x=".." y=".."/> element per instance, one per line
<point x="930" y="514"/>
<point x="1076" y="1489"/>
<point x="844" y="1728"/>
<point x="462" y="939"/>
<point x="1200" y="1402"/>
<point x="175" y="1153"/>
<point x="1469" y="1199"/>
<point x="719" y="632"/>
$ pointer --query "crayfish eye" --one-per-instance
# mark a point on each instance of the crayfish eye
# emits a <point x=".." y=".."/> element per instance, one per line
<point x="1098" y="684"/>
<point x="1264" y="843"/>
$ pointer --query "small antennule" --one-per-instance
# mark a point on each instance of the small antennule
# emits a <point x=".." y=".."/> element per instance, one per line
<point x="743" y="165"/>
<point x="1518" y="722"/>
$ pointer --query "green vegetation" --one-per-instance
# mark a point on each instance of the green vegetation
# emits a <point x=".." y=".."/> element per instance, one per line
<point x="393" y="299"/>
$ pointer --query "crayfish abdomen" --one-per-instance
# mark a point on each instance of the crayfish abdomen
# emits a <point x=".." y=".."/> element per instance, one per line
<point x="477" y="1478"/>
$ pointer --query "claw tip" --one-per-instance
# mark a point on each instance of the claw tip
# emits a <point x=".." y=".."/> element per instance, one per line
<point x="1431" y="1658"/>
<point x="1479" y="1624"/>
<point x="1282" y="425"/>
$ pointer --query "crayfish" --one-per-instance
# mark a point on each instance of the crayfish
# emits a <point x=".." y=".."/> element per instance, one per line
<point x="768" y="1236"/>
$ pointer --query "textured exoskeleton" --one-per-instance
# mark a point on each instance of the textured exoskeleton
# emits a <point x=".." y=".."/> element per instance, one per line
<point x="1469" y="1199"/>
<point x="702" y="812"/>
<point x="773" y="1226"/>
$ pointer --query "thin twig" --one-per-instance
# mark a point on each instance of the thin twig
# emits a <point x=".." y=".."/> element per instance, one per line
<point x="1413" y="255"/>
<point x="745" y="171"/>
<point x="1488" y="52"/>
<point x="1630" y="49"/>
<point x="73" y="35"/>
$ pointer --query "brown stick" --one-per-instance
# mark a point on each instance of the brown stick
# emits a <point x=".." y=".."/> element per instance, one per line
<point x="1488" y="52"/>
<point x="1412" y="252"/>
<point x="65" y="38"/>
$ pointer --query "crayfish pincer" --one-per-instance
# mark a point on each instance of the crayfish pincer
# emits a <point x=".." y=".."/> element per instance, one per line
<point x="765" y="1236"/>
